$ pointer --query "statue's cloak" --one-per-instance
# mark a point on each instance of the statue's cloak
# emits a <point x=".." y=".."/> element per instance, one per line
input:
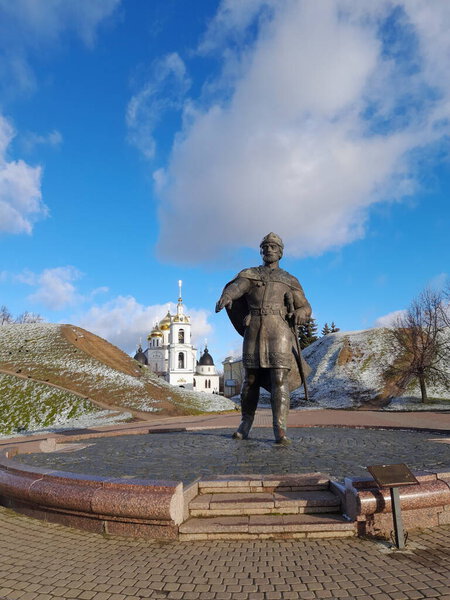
<point x="240" y="309"/>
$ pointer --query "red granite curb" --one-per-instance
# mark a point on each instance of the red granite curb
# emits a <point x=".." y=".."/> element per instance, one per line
<point x="147" y="508"/>
<point x="426" y="504"/>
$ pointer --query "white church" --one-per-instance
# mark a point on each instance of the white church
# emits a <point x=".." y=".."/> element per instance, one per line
<point x="171" y="355"/>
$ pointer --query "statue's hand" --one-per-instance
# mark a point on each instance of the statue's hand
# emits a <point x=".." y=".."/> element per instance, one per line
<point x="224" y="301"/>
<point x="299" y="317"/>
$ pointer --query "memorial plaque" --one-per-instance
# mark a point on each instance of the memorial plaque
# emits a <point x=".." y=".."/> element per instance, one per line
<point x="392" y="475"/>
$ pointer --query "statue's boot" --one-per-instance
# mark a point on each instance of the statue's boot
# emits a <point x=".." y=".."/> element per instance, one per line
<point x="244" y="427"/>
<point x="249" y="402"/>
<point x="280" y="411"/>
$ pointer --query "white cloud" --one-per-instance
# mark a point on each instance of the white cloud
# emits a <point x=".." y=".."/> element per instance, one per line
<point x="100" y="290"/>
<point x="20" y="188"/>
<point x="52" y="139"/>
<point x="201" y="328"/>
<point x="37" y="22"/>
<point x="390" y="319"/>
<point x="123" y="321"/>
<point x="163" y="92"/>
<point x="55" y="289"/>
<point x="27" y="25"/>
<point x="439" y="282"/>
<point x="235" y="350"/>
<point x="317" y="122"/>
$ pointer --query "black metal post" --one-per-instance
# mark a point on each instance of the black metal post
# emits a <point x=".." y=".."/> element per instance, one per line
<point x="397" y="515"/>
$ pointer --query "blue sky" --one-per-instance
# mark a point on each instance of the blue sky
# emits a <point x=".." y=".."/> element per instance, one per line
<point x="146" y="142"/>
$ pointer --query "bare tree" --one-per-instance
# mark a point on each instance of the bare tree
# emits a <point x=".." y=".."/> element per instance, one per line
<point x="28" y="317"/>
<point x="5" y="316"/>
<point x="446" y="304"/>
<point x="422" y="338"/>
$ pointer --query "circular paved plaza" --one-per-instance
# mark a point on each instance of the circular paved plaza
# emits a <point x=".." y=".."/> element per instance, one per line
<point x="185" y="456"/>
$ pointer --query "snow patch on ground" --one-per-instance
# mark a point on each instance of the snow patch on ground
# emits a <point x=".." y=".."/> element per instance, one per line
<point x="413" y="404"/>
<point x="99" y="419"/>
<point x="201" y="401"/>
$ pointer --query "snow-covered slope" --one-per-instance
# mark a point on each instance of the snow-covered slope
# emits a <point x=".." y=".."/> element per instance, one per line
<point x="46" y="368"/>
<point x="349" y="370"/>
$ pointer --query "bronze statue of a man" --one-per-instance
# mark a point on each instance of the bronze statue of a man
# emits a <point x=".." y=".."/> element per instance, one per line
<point x="266" y="305"/>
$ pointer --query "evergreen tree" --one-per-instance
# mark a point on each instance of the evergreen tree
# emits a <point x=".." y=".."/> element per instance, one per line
<point x="326" y="330"/>
<point x="307" y="333"/>
<point x="334" y="329"/>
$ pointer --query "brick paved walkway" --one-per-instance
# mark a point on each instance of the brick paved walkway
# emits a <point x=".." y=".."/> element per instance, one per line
<point x="40" y="561"/>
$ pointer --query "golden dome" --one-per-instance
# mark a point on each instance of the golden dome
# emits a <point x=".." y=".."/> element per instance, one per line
<point x="155" y="332"/>
<point x="165" y="323"/>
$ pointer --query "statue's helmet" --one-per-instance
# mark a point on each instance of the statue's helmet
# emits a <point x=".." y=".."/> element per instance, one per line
<point x="272" y="238"/>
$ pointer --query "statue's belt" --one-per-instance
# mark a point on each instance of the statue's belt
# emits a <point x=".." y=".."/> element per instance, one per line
<point x="267" y="311"/>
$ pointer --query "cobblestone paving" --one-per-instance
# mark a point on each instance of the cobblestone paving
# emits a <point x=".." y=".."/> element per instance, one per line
<point x="40" y="561"/>
<point x="188" y="455"/>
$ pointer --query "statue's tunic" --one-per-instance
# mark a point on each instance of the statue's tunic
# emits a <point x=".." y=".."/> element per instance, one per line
<point x="261" y="299"/>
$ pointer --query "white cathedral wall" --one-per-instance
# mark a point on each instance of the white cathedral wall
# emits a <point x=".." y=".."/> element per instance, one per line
<point x="206" y="370"/>
<point x="181" y="378"/>
<point x="174" y="351"/>
<point x="157" y="355"/>
<point x="175" y="330"/>
<point x="201" y="380"/>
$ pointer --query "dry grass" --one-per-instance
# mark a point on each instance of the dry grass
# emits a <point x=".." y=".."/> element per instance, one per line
<point x="82" y="363"/>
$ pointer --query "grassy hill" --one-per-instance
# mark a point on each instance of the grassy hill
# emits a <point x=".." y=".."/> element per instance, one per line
<point x="28" y="405"/>
<point x="61" y="371"/>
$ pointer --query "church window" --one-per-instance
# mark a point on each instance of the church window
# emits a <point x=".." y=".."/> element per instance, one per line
<point x="181" y="336"/>
<point x="180" y="360"/>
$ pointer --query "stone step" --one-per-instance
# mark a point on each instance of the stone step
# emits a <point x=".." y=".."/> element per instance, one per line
<point x="264" y="503"/>
<point x="267" y="526"/>
<point x="264" y="483"/>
